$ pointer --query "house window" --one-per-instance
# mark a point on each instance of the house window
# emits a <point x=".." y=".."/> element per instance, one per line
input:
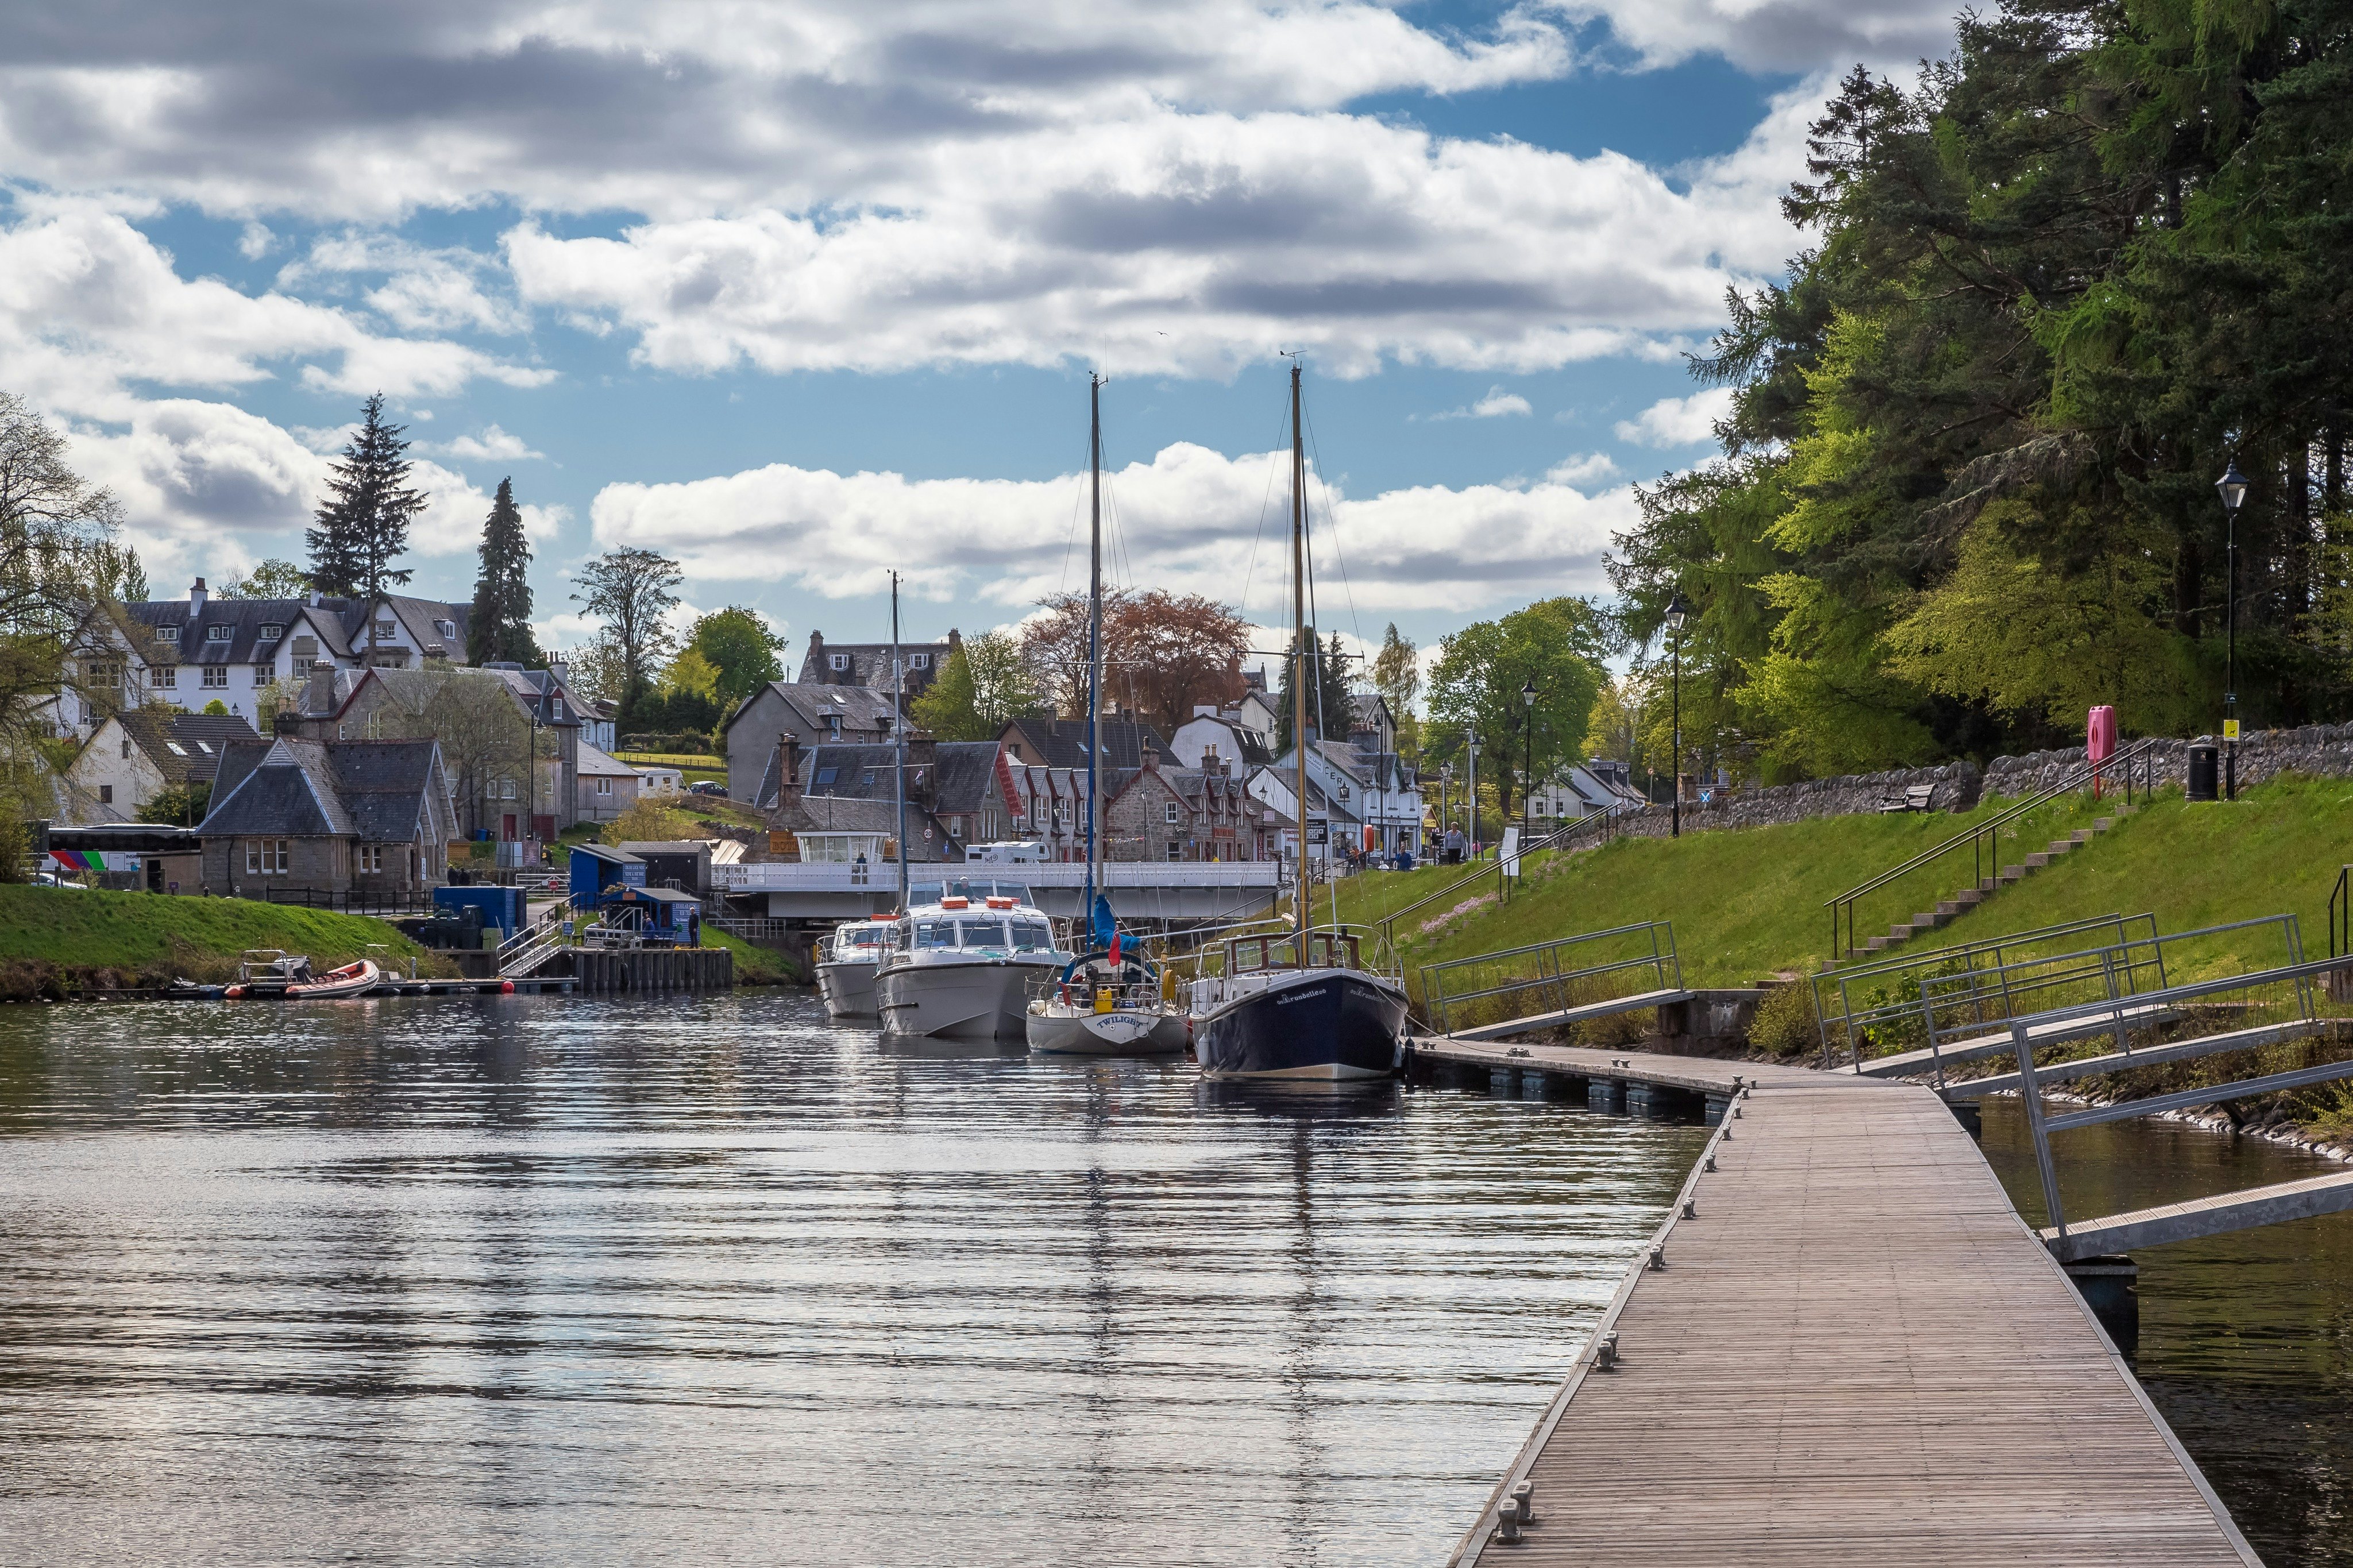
<point x="220" y="634"/>
<point x="165" y="677"/>
<point x="447" y="628"/>
<point x="300" y="665"/>
<point x="371" y="858"/>
<point x="104" y="672"/>
<point x="215" y="676"/>
<point x="1170" y="809"/>
<point x="167" y="633"/>
<point x="263" y="674"/>
<point x="506" y="789"/>
<point x="126" y="748"/>
<point x="919" y="661"/>
<point x="827" y="775"/>
<point x="604" y="786"/>
<point x="271" y="631"/>
<point x="836" y="661"/>
<point x="265" y="857"/>
<point x="106" y="795"/>
<point x="385" y="631"/>
<point x="833" y="726"/>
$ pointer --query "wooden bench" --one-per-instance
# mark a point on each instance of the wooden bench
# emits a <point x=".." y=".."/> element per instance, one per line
<point x="1916" y="797"/>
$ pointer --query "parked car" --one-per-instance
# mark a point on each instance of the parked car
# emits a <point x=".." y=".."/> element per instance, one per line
<point x="707" y="786"/>
<point x="51" y="879"/>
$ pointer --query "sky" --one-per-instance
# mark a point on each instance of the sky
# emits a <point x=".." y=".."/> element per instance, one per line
<point x="801" y="294"/>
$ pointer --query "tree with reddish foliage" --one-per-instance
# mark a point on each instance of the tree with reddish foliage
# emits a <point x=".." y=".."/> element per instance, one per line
<point x="1166" y="653"/>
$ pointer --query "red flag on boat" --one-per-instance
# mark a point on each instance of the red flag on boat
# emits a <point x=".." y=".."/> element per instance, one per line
<point x="1115" y="948"/>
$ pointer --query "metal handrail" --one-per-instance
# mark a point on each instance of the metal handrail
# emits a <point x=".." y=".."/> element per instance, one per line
<point x="1661" y="961"/>
<point x="1977" y="836"/>
<point x="2340" y="897"/>
<point x="1847" y="982"/>
<point x="2099" y="960"/>
<point x="1558" y="839"/>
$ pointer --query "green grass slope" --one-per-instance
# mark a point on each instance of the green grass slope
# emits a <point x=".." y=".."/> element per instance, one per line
<point x="1746" y="903"/>
<point x="152" y="933"/>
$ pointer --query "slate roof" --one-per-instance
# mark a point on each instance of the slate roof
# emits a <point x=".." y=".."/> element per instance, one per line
<point x="962" y="771"/>
<point x="1062" y="742"/>
<point x="417" y="617"/>
<point x="377" y="791"/>
<point x="183" y="746"/>
<point x="869" y="663"/>
<point x="808" y="707"/>
<point x="243" y="620"/>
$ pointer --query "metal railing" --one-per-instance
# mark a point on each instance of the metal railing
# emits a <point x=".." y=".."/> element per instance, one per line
<point x="351" y="903"/>
<point x="1544" y="975"/>
<point x="1601" y="825"/>
<point x="534" y="945"/>
<point x="2024" y="1029"/>
<point x="1886" y="995"/>
<point x="2340" y="912"/>
<point x="2117" y="976"/>
<point x="1983" y="840"/>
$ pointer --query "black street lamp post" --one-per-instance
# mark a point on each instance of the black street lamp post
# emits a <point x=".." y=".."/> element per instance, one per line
<point x="2234" y="488"/>
<point x="1677" y="613"/>
<point x="1528" y="772"/>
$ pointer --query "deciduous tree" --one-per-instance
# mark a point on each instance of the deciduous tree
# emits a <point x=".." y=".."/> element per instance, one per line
<point x="629" y="589"/>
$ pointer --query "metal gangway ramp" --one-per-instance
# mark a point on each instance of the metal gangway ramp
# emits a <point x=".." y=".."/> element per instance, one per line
<point x="1564" y="981"/>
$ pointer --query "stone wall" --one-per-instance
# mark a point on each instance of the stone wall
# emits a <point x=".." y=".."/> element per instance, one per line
<point x="1956" y="787"/>
<point x="2321" y="750"/>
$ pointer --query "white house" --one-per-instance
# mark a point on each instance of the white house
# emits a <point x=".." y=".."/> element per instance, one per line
<point x="133" y="757"/>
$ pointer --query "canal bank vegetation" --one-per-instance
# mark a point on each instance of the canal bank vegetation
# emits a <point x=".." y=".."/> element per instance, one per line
<point x="61" y="941"/>
<point x="756" y="964"/>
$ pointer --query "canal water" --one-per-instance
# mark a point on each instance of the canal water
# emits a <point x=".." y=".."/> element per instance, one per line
<point x="2246" y="1340"/>
<point x="548" y="1280"/>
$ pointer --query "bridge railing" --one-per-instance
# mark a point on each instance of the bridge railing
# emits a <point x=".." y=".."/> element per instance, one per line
<point x="834" y="877"/>
<point x="1550" y="976"/>
<point x="1869" y="1002"/>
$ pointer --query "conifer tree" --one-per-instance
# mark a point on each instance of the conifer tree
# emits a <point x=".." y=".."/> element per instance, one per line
<point x="364" y="523"/>
<point x="500" y="626"/>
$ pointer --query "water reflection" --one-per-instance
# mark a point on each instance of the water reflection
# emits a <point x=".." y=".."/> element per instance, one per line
<point x="518" y="1281"/>
<point x="2244" y="1339"/>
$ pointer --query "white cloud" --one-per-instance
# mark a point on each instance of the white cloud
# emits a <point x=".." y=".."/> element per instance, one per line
<point x="1191" y="520"/>
<point x="1588" y="468"/>
<point x="1679" y="421"/>
<point x="490" y="444"/>
<point x="1494" y="406"/>
<point x="1778" y="35"/>
<point x="255" y="241"/>
<point x="422" y="289"/>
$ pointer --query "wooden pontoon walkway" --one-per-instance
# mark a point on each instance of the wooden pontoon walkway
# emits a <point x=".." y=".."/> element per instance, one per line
<point x="1855" y="1352"/>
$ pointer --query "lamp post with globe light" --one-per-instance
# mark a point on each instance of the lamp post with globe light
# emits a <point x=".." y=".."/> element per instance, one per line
<point x="2232" y="487"/>
<point x="1678" y="613"/>
<point x="1528" y="775"/>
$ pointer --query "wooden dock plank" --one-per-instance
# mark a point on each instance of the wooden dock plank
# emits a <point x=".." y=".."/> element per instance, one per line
<point x="1856" y="1353"/>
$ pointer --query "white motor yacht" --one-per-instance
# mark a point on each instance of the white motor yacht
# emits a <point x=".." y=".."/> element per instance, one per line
<point x="846" y="965"/>
<point x="965" y="961"/>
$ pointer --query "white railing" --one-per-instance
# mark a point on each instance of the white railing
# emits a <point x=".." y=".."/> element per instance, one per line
<point x="795" y="877"/>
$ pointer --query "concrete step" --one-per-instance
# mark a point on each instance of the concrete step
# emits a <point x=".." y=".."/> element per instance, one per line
<point x="1875" y="945"/>
<point x="2012" y="875"/>
<point x="2081" y="836"/>
<point x="1929" y="921"/>
<point x="2036" y="862"/>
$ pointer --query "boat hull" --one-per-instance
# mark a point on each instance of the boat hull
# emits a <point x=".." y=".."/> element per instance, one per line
<point x="848" y="988"/>
<point x="1330" y="1025"/>
<point x="1071" y="1032"/>
<point x="964" y="999"/>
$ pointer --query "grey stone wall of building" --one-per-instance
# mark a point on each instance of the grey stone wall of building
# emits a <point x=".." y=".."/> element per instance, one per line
<point x="2324" y="750"/>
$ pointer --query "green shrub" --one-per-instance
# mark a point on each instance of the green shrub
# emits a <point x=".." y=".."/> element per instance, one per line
<point x="1785" y="1023"/>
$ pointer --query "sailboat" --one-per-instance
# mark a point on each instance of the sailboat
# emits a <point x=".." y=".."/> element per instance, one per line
<point x="1110" y="1001"/>
<point x="1302" y="1002"/>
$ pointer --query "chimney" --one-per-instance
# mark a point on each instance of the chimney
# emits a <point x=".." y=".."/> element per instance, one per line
<point x="813" y="662"/>
<point x="196" y="599"/>
<point x="1151" y="757"/>
<point x="317" y="598"/>
<point x="788" y="773"/>
<point x="1205" y="709"/>
<point x="318" y="692"/>
<point x="1209" y="759"/>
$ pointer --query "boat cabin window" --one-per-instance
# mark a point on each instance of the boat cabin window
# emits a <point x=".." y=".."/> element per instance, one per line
<point x="1031" y="936"/>
<point x="862" y="936"/>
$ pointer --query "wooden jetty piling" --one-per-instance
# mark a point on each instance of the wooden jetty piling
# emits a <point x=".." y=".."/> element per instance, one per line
<point x="652" y="971"/>
<point x="1843" y="1346"/>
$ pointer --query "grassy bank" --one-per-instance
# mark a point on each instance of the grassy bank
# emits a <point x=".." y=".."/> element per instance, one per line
<point x="54" y="939"/>
<point x="755" y="964"/>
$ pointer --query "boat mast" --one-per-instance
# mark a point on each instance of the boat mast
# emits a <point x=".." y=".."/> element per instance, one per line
<point x="1094" y="641"/>
<point x="1299" y="652"/>
<point x="899" y="736"/>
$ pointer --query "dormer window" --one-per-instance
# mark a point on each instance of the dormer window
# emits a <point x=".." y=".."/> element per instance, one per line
<point x="167" y="633"/>
<point x="271" y="631"/>
<point x="220" y="634"/>
<point x="919" y="661"/>
<point x="836" y="661"/>
<point x="447" y="628"/>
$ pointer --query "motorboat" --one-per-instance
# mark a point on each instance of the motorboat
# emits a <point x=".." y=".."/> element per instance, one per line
<point x="1109" y="1002"/>
<point x="1311" y="1012"/>
<point x="845" y="970"/>
<point x="965" y="961"/>
<point x="1107" y="1007"/>
<point x="1299" y="1003"/>
<point x="356" y="979"/>
<point x="263" y="973"/>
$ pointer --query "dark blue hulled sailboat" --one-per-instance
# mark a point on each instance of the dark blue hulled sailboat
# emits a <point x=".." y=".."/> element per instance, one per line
<point x="1300" y="1004"/>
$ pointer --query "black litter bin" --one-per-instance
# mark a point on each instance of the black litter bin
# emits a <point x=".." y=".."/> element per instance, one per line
<point x="2203" y="769"/>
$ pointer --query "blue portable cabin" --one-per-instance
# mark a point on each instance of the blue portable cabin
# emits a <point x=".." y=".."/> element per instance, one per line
<point x="500" y="907"/>
<point x="660" y="914"/>
<point x="597" y="868"/>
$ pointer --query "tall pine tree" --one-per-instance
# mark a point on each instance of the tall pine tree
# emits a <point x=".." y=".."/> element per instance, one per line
<point x="364" y="524"/>
<point x="500" y="626"/>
